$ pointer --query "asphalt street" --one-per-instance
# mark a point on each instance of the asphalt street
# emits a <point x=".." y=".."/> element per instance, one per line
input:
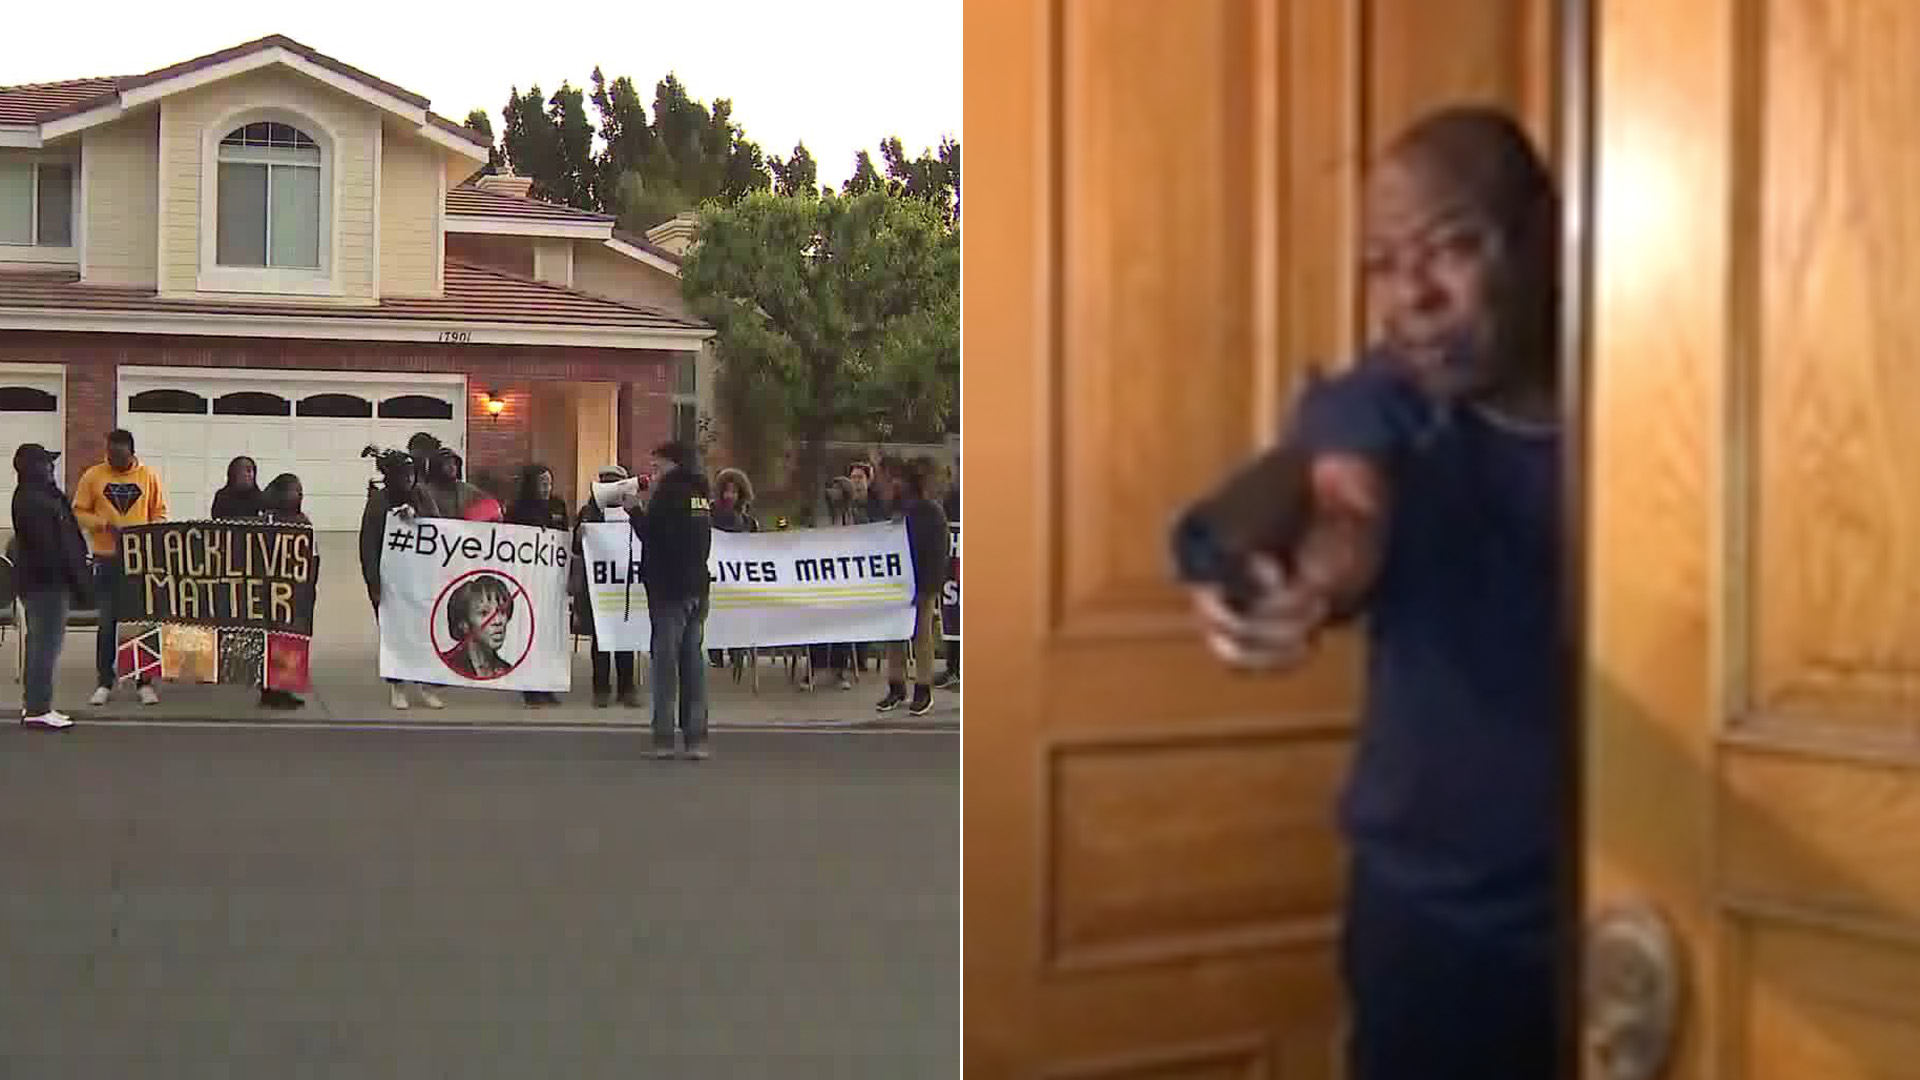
<point x="255" y="902"/>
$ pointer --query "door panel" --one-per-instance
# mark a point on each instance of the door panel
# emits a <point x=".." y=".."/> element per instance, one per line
<point x="1755" y="541"/>
<point x="1161" y="204"/>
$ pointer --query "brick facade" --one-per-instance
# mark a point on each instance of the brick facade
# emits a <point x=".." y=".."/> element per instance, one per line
<point x="501" y="443"/>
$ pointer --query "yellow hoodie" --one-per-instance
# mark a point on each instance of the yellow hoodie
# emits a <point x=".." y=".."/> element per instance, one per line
<point x="105" y="497"/>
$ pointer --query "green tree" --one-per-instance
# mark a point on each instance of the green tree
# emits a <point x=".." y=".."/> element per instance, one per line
<point x="481" y="124"/>
<point x="848" y="305"/>
<point x="550" y="141"/>
<point x="865" y="177"/>
<point x="797" y="175"/>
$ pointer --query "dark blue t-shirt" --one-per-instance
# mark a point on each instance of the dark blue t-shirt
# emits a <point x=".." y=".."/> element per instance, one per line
<point x="1460" y="791"/>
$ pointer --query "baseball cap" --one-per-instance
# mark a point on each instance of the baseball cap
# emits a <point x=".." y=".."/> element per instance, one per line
<point x="612" y="473"/>
<point x="33" y="454"/>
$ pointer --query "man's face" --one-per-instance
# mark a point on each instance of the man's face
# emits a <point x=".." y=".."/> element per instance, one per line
<point x="543" y="485"/>
<point x="444" y="469"/>
<point x="119" y="455"/>
<point x="41" y="470"/>
<point x="243" y="474"/>
<point x="661" y="467"/>
<point x="489" y="622"/>
<point x="860" y="482"/>
<point x="1430" y="262"/>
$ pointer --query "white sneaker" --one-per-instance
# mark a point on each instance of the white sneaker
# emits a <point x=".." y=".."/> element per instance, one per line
<point x="397" y="698"/>
<point x="101" y="695"/>
<point x="431" y="700"/>
<point x="48" y="719"/>
<point x="149" y="696"/>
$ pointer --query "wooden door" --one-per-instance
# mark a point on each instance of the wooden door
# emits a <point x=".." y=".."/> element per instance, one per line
<point x="1753" y="688"/>
<point x="1160" y="202"/>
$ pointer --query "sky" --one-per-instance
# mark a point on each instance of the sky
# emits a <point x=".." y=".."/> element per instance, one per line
<point x="840" y="74"/>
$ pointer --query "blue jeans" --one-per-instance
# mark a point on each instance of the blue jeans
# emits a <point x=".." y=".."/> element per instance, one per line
<point x="46" y="632"/>
<point x="679" y="669"/>
<point x="106" y="644"/>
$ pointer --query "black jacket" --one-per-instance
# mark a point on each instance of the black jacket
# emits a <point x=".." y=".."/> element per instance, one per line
<point x="676" y="536"/>
<point x="931" y="544"/>
<point x="373" y="526"/>
<point x="550" y="514"/>
<point x="48" y="550"/>
<point x="237" y="504"/>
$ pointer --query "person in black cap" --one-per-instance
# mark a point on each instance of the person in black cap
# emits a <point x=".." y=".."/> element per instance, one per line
<point x="675" y="528"/>
<point x="50" y="573"/>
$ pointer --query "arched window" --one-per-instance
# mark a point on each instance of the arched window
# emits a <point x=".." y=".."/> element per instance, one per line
<point x="415" y="407"/>
<point x="337" y="406"/>
<point x="269" y="198"/>
<point x="27" y="399"/>
<point x="179" y="402"/>
<point x="251" y="403"/>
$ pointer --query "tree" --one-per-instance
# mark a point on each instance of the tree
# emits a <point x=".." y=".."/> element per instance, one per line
<point x="797" y="175"/>
<point x="550" y="141"/>
<point x="933" y="177"/>
<point x="865" y="177"/>
<point x="848" y="305"/>
<point x="481" y="124"/>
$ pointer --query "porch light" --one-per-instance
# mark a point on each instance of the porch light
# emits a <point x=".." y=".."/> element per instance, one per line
<point x="495" y="406"/>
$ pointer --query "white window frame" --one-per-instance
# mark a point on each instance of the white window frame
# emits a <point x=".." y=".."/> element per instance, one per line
<point x="32" y="252"/>
<point x="690" y="397"/>
<point x="213" y="277"/>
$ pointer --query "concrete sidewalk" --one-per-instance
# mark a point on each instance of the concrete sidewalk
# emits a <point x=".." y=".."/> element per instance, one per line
<point x="347" y="687"/>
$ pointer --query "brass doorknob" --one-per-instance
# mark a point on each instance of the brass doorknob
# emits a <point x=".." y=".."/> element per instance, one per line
<point x="1633" y="992"/>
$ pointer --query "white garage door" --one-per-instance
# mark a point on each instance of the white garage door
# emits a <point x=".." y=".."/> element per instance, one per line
<point x="189" y="423"/>
<point x="33" y="408"/>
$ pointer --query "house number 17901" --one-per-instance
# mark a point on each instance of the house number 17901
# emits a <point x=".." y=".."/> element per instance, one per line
<point x="456" y="337"/>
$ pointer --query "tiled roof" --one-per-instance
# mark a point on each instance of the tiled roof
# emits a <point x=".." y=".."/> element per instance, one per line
<point x="648" y="246"/>
<point x="34" y="102"/>
<point x="42" y="102"/>
<point x="468" y="200"/>
<point x="474" y="294"/>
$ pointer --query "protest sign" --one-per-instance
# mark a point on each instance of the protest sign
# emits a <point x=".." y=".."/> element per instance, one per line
<point x="950" y="592"/>
<point x="217" y="601"/>
<point x="479" y="604"/>
<point x="853" y="583"/>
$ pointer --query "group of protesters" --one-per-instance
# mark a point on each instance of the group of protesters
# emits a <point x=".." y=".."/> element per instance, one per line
<point x="66" y="554"/>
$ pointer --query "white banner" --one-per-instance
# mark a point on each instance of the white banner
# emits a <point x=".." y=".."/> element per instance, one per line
<point x="811" y="586"/>
<point x="467" y="603"/>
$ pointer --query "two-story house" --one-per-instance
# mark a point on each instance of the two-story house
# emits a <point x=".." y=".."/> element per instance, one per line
<point x="265" y="251"/>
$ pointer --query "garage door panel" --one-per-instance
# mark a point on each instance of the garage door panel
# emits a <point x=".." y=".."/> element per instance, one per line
<point x="32" y="409"/>
<point x="314" y="427"/>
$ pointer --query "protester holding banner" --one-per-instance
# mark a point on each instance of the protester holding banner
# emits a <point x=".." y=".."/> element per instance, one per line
<point x="50" y="573"/>
<point x="280" y="502"/>
<point x="929" y="540"/>
<point x="837" y="507"/>
<point x="675" y="529"/>
<point x="112" y="495"/>
<point x="241" y="498"/>
<point x="399" y="490"/>
<point x="732" y="512"/>
<point x="606" y="664"/>
<point x="536" y="505"/>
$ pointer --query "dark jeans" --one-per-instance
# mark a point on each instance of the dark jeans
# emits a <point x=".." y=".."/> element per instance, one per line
<point x="953" y="656"/>
<point x="46" y="611"/>
<point x="606" y="665"/>
<point x="832" y="658"/>
<point x="106" y="643"/>
<point x="1434" y="1001"/>
<point x="679" y="669"/>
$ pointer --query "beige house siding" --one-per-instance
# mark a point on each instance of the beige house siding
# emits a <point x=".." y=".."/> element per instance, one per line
<point x="604" y="272"/>
<point x="409" y="189"/>
<point x="183" y="127"/>
<point x="514" y="254"/>
<point x="122" y="192"/>
<point x="553" y="262"/>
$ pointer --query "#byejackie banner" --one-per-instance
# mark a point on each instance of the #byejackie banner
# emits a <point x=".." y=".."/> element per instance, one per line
<point x="217" y="602"/>
<point x="469" y="603"/>
<point x="853" y="583"/>
<point x="950" y="592"/>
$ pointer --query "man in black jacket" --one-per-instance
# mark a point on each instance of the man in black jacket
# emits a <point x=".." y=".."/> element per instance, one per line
<point x="675" y="529"/>
<point x="927" y="539"/>
<point x="50" y="573"/>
